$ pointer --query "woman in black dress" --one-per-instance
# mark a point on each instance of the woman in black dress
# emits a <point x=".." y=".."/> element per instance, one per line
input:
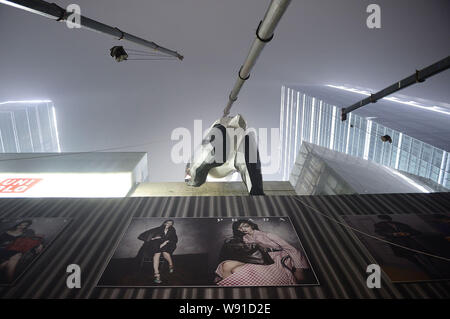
<point x="16" y="242"/>
<point x="160" y="240"/>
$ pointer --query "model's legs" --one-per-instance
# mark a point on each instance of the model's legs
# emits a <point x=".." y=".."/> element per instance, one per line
<point x="3" y="265"/>
<point x="229" y="267"/>
<point x="11" y="265"/>
<point x="167" y="257"/>
<point x="299" y="275"/>
<point x="156" y="257"/>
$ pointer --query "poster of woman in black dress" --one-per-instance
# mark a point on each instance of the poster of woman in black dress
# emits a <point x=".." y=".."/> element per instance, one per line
<point x="156" y="251"/>
<point x="22" y="241"/>
<point x="159" y="241"/>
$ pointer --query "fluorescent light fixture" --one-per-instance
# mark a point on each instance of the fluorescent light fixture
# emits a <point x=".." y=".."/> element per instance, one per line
<point x="56" y="129"/>
<point x="392" y="99"/>
<point x="73" y="184"/>
<point x="442" y="168"/>
<point x="333" y="127"/>
<point x="285" y="173"/>
<point x="399" y="150"/>
<point x="311" y="132"/>
<point x="26" y="101"/>
<point x="303" y="119"/>
<point x="290" y="133"/>
<point x="18" y="6"/>
<point x="347" y="143"/>
<point x="320" y="122"/>
<point x="344" y="88"/>
<point x="367" y="140"/>
<point x="296" y="125"/>
<point x="281" y="130"/>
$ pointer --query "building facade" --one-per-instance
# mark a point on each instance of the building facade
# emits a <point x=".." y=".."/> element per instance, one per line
<point x="321" y="171"/>
<point x="28" y="127"/>
<point x="306" y="118"/>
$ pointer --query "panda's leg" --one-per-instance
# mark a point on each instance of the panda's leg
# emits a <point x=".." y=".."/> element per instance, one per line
<point x="248" y="164"/>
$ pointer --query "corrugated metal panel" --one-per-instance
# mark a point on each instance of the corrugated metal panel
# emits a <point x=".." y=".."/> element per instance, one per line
<point x="338" y="257"/>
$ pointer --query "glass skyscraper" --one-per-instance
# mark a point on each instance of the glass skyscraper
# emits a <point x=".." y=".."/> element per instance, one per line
<point x="28" y="127"/>
<point x="306" y="118"/>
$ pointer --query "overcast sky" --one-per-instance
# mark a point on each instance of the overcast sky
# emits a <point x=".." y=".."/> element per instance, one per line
<point x="103" y="104"/>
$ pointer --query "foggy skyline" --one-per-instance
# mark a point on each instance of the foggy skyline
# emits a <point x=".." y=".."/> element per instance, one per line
<point x="102" y="104"/>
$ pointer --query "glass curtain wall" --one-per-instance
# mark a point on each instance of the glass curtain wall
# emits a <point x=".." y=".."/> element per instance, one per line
<point x="306" y="118"/>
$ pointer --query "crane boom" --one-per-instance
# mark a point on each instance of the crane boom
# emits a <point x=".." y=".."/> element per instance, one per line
<point x="55" y="12"/>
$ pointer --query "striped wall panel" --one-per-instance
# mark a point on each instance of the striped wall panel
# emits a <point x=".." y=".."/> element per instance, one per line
<point x="338" y="257"/>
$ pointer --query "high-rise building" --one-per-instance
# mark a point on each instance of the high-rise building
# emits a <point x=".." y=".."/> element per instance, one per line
<point x="28" y="126"/>
<point x="309" y="119"/>
<point x="321" y="171"/>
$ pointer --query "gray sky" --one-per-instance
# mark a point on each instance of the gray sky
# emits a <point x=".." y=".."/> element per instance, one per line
<point x="101" y="104"/>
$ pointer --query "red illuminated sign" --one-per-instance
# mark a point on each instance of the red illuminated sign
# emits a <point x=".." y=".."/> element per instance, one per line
<point x="17" y="185"/>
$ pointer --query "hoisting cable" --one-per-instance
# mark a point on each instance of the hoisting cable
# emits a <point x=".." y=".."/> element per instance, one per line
<point x="369" y="235"/>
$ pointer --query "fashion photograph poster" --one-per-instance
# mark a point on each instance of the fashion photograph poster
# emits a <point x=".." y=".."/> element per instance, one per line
<point x="211" y="252"/>
<point x="22" y="241"/>
<point x="414" y="247"/>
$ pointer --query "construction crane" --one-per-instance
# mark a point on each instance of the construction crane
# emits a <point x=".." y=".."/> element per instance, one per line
<point x="418" y="77"/>
<point x="55" y="12"/>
